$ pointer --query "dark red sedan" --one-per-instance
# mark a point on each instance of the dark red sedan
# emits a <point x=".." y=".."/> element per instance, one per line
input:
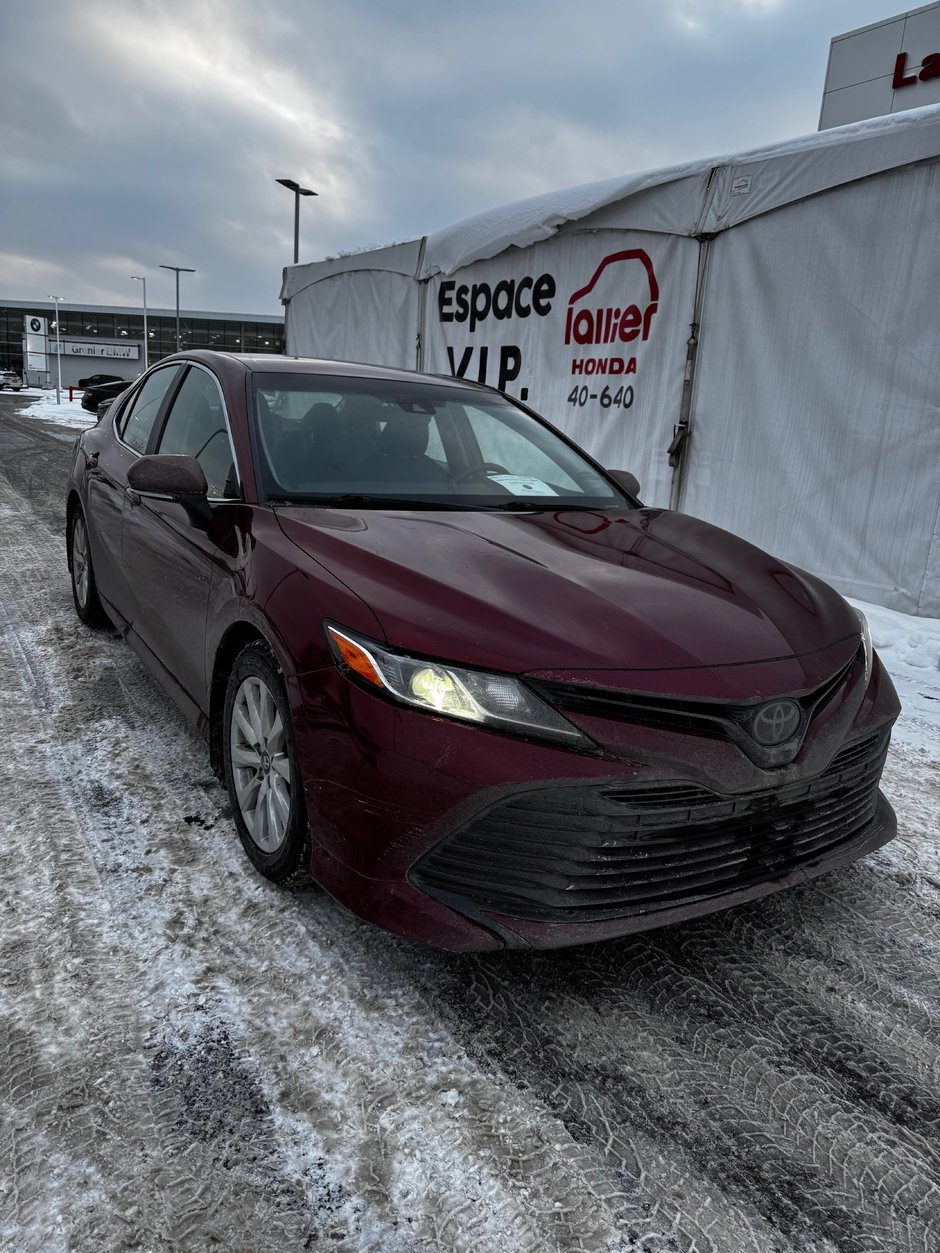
<point x="454" y="671"/>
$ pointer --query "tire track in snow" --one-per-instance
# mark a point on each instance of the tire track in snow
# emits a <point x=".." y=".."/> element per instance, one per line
<point x="661" y="1062"/>
<point x="92" y="867"/>
<point x="166" y="888"/>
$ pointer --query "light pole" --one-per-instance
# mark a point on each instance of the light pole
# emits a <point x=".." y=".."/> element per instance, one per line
<point x="298" y="192"/>
<point x="180" y="269"/>
<point x="57" y="300"/>
<point x="140" y="279"/>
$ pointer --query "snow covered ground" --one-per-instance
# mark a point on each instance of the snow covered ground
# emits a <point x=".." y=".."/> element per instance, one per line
<point x="193" y="1059"/>
<point x="67" y="413"/>
<point x="910" y="649"/>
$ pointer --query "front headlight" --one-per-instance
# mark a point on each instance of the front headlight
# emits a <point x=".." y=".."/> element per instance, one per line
<point x="866" y="643"/>
<point x="494" y="700"/>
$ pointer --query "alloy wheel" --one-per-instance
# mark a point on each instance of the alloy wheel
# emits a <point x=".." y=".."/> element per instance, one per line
<point x="260" y="764"/>
<point x="81" y="573"/>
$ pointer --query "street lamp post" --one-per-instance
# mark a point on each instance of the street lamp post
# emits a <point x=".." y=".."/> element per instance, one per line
<point x="140" y="279"/>
<point x="298" y="192"/>
<point x="57" y="300"/>
<point x="180" y="269"/>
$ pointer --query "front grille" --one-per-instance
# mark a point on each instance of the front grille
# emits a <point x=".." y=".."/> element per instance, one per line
<point x="594" y="853"/>
<point x="719" y="719"/>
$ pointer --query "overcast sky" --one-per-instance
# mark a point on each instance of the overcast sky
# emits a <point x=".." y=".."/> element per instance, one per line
<point x="137" y="132"/>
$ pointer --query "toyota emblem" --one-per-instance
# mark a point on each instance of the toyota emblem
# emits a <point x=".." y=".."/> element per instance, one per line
<point x="776" y="722"/>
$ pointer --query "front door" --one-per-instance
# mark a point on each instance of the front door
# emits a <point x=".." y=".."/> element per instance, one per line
<point x="167" y="556"/>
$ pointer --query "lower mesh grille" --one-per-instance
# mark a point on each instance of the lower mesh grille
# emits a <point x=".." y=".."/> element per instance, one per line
<point x="585" y="854"/>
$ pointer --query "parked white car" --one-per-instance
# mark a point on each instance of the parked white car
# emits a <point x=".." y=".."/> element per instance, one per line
<point x="10" y="378"/>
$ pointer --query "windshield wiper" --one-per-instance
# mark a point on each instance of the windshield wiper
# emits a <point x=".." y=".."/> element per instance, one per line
<point x="522" y="504"/>
<point x="362" y="500"/>
<point x="356" y="500"/>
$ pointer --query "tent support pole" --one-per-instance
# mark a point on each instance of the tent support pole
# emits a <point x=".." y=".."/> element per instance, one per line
<point x="682" y="431"/>
<point x="424" y="287"/>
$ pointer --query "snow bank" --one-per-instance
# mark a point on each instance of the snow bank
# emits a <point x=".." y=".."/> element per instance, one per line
<point x="68" y="413"/>
<point x="909" y="648"/>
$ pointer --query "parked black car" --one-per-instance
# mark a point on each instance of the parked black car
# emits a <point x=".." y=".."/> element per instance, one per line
<point x="100" y="393"/>
<point x="94" y="379"/>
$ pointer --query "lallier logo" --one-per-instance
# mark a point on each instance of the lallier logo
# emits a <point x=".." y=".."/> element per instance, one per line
<point x="605" y="322"/>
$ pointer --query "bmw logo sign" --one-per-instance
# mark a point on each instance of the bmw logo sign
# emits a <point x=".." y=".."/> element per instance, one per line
<point x="776" y="722"/>
<point x="35" y="324"/>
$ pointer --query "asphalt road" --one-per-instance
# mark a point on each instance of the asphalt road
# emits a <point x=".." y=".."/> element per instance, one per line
<point x="193" y="1059"/>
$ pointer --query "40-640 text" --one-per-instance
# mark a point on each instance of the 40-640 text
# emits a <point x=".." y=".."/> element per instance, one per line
<point x="622" y="398"/>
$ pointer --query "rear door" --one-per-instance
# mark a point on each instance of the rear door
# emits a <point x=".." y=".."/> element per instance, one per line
<point x="106" y="481"/>
<point x="169" y="558"/>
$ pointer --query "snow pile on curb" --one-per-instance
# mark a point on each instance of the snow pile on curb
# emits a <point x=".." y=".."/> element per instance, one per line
<point x="909" y="649"/>
<point x="68" y="413"/>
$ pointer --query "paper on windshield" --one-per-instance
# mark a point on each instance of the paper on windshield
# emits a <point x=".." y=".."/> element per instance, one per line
<point x="520" y="486"/>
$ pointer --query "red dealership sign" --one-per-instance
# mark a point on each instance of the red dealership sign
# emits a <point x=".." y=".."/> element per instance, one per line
<point x="930" y="68"/>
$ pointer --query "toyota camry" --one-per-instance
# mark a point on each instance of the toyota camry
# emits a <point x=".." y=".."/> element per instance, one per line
<point x="454" y="671"/>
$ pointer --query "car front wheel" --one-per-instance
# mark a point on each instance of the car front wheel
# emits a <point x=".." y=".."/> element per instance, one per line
<point x="262" y="772"/>
<point x="84" y="588"/>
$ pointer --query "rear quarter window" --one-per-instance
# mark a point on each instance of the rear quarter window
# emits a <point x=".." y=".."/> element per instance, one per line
<point x="135" y="423"/>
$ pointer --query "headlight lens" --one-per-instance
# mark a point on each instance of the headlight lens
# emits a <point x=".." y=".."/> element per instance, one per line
<point x="495" y="700"/>
<point x="866" y="643"/>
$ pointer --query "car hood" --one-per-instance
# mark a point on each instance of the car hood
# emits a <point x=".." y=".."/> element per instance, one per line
<point x="639" y="590"/>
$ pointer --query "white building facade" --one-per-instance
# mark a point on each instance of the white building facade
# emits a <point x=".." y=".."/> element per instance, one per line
<point x="884" y="68"/>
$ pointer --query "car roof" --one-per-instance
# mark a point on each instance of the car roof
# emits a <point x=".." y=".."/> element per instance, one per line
<point x="270" y="363"/>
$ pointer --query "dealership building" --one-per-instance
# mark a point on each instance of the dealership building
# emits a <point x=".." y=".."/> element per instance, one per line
<point x="887" y="67"/>
<point x="109" y="339"/>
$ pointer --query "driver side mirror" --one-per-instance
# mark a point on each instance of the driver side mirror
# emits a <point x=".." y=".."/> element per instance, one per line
<point x="629" y="482"/>
<point x="170" y="477"/>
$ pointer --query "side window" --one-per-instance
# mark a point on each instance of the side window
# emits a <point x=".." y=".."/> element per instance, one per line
<point x="136" y="423"/>
<point x="195" y="427"/>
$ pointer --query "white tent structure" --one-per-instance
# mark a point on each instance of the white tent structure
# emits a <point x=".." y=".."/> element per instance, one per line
<point x="757" y="338"/>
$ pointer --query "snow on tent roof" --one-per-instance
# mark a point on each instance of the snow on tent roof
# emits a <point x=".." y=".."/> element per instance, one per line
<point x="695" y="198"/>
<point x="720" y="192"/>
<point x="400" y="258"/>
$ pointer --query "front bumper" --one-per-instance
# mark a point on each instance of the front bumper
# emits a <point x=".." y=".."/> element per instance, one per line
<point x="467" y="839"/>
<point x="581" y="860"/>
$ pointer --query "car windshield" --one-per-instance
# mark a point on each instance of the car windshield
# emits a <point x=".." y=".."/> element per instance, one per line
<point x="332" y="439"/>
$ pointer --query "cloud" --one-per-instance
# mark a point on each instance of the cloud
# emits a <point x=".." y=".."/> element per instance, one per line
<point x="701" y="17"/>
<point x="151" y="132"/>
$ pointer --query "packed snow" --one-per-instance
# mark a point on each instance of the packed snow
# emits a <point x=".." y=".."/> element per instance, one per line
<point x="68" y="413"/>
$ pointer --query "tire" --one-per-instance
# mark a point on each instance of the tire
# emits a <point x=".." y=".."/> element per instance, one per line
<point x="84" y="589"/>
<point x="262" y="771"/>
